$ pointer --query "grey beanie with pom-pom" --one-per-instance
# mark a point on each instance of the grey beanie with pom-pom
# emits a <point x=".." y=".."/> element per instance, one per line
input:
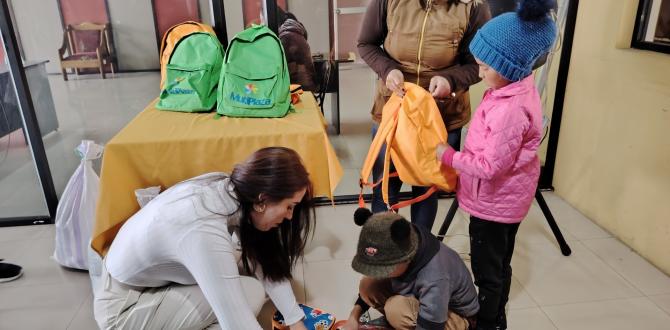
<point x="385" y="241"/>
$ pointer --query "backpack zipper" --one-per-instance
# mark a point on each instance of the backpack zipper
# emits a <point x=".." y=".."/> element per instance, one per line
<point x="429" y="4"/>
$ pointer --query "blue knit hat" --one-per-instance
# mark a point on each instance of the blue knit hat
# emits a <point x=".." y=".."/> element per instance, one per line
<point x="511" y="43"/>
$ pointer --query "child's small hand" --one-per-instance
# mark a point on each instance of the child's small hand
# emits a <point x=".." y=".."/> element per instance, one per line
<point x="439" y="151"/>
<point x="445" y="154"/>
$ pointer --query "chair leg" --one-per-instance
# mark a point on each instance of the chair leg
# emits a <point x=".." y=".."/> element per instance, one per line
<point x="62" y="69"/>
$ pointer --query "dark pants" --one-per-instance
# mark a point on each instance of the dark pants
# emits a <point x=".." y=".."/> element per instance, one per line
<point x="422" y="213"/>
<point x="491" y="248"/>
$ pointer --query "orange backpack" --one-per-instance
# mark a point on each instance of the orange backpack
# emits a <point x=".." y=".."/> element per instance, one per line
<point x="172" y="37"/>
<point x="411" y="127"/>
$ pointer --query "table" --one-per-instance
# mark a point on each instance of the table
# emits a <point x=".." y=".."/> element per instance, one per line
<point x="164" y="148"/>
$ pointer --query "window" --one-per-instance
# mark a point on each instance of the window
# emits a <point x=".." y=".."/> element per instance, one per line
<point x="652" y="26"/>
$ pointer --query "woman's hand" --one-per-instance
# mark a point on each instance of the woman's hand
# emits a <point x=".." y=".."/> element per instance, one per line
<point x="439" y="87"/>
<point x="298" y="326"/>
<point x="395" y="81"/>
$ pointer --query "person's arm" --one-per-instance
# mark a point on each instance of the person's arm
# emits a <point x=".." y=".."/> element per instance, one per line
<point x="466" y="72"/>
<point x="506" y="127"/>
<point x="433" y="305"/>
<point x="299" y="58"/>
<point x="281" y="294"/>
<point x="371" y="38"/>
<point x="208" y="256"/>
<point x="359" y="308"/>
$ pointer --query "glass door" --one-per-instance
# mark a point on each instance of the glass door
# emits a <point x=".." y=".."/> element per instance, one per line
<point x="27" y="194"/>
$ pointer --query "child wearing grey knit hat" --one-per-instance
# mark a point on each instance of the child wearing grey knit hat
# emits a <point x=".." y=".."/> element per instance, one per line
<point x="498" y="164"/>
<point x="410" y="276"/>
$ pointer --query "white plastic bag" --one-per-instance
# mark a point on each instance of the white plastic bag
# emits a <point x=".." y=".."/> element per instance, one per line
<point x="76" y="210"/>
<point x="94" y="270"/>
<point x="144" y="196"/>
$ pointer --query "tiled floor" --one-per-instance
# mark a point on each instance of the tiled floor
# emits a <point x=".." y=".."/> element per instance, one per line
<point x="602" y="285"/>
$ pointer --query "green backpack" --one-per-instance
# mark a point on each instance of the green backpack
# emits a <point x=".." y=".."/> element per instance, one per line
<point x="191" y="75"/>
<point x="254" y="79"/>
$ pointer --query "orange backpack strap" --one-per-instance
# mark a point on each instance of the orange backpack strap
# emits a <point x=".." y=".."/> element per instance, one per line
<point x="387" y="160"/>
<point x="361" y="200"/>
<point x="387" y="127"/>
<point x="432" y="190"/>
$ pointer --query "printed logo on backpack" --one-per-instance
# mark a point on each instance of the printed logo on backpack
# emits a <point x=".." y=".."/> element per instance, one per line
<point x="248" y="99"/>
<point x="176" y="90"/>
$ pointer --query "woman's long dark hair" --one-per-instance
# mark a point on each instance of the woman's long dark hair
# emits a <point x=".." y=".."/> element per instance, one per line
<point x="277" y="173"/>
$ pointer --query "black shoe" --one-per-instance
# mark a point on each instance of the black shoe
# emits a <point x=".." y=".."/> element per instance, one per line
<point x="9" y="272"/>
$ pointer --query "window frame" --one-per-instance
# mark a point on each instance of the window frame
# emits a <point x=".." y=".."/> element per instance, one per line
<point x="640" y="28"/>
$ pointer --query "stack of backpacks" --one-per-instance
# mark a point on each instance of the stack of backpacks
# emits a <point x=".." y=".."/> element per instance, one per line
<point x="249" y="79"/>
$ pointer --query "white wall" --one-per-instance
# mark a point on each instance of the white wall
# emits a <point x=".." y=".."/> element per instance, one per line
<point x="314" y="15"/>
<point x="38" y="25"/>
<point x="234" y="17"/>
<point x="134" y="34"/>
<point x="205" y="11"/>
<point x="613" y="151"/>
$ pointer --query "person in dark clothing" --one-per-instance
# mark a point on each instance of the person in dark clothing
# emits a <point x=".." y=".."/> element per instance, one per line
<point x="293" y="36"/>
<point x="424" y="42"/>
<point x="410" y="276"/>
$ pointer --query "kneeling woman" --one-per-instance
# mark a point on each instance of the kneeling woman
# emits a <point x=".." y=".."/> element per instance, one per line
<point x="174" y="264"/>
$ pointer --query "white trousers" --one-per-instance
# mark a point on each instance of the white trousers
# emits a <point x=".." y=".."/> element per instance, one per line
<point x="121" y="306"/>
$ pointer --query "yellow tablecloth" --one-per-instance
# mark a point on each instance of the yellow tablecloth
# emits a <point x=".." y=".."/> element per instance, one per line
<point x="164" y="148"/>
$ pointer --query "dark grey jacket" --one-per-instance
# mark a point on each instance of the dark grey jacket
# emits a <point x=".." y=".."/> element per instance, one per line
<point x="438" y="278"/>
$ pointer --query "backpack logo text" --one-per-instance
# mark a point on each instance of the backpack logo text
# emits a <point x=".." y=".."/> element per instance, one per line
<point x="248" y="100"/>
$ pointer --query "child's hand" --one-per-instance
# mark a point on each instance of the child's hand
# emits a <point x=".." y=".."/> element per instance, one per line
<point x="439" y="151"/>
<point x="445" y="154"/>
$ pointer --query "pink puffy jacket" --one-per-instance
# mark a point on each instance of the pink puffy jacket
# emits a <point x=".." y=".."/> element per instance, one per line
<point x="498" y="166"/>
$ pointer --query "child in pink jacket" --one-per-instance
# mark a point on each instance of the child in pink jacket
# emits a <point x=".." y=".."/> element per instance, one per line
<point x="498" y="166"/>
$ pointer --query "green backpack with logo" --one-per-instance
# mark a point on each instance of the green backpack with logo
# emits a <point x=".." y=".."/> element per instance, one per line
<point x="191" y="74"/>
<point x="254" y="79"/>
